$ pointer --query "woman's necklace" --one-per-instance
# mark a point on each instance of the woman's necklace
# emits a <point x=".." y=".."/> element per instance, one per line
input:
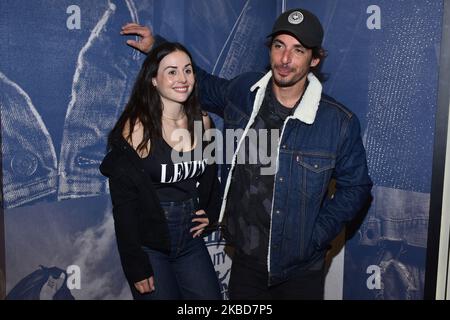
<point x="174" y="119"/>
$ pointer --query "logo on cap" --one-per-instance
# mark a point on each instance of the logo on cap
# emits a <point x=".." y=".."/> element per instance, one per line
<point x="295" y="17"/>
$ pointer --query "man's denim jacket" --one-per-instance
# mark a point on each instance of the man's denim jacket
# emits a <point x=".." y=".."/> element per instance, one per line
<point x="319" y="142"/>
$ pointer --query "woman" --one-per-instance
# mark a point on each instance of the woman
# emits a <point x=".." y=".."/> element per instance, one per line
<point x="159" y="211"/>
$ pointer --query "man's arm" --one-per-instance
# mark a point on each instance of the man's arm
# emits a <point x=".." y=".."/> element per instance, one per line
<point x="353" y="187"/>
<point x="213" y="90"/>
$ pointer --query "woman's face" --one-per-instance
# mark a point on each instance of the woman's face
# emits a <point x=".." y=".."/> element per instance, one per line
<point x="175" y="78"/>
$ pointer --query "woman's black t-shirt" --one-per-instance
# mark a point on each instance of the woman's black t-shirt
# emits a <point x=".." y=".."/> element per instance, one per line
<point x="175" y="174"/>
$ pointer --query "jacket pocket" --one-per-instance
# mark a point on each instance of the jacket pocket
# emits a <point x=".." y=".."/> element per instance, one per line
<point x="315" y="173"/>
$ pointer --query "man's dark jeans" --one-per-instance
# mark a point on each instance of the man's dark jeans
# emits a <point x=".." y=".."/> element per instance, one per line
<point x="248" y="281"/>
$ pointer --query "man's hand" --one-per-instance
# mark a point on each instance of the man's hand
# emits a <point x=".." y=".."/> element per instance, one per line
<point x="145" y="43"/>
<point x="145" y="286"/>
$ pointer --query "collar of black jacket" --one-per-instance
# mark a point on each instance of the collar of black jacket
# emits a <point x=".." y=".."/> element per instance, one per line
<point x="120" y="151"/>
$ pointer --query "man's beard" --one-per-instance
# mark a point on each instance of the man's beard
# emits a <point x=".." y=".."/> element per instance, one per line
<point x="283" y="82"/>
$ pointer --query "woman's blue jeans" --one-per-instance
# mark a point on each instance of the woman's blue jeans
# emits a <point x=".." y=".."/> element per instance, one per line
<point x="187" y="272"/>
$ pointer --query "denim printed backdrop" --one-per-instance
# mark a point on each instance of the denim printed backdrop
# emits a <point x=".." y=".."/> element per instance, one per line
<point x="65" y="74"/>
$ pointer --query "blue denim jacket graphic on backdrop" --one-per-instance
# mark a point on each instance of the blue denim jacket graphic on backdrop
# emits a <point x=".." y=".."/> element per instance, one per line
<point x="319" y="142"/>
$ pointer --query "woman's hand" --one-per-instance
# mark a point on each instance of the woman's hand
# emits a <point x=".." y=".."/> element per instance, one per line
<point x="145" y="286"/>
<point x="202" y="221"/>
<point x="146" y="41"/>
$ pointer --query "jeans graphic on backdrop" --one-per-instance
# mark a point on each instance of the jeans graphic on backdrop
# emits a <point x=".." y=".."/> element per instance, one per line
<point x="402" y="97"/>
<point x="29" y="157"/>
<point x="397" y="246"/>
<point x="34" y="126"/>
<point x="90" y="115"/>
<point x="29" y="153"/>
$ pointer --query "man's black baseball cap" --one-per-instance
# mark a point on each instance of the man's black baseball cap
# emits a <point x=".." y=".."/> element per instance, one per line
<point x="301" y="24"/>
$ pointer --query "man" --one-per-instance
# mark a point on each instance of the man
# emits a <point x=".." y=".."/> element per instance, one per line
<point x="281" y="221"/>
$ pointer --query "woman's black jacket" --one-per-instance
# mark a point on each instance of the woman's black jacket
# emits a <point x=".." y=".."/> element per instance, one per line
<point x="139" y="219"/>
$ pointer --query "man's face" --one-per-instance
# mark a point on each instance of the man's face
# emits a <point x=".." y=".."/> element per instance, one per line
<point x="290" y="61"/>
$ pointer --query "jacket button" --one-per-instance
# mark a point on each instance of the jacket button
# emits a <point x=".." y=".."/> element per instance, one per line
<point x="316" y="166"/>
<point x="281" y="179"/>
<point x="277" y="212"/>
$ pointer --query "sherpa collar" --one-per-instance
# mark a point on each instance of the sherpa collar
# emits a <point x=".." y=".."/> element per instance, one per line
<point x="307" y="108"/>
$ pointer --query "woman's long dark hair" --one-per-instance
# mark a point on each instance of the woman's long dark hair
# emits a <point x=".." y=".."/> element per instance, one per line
<point x="145" y="103"/>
